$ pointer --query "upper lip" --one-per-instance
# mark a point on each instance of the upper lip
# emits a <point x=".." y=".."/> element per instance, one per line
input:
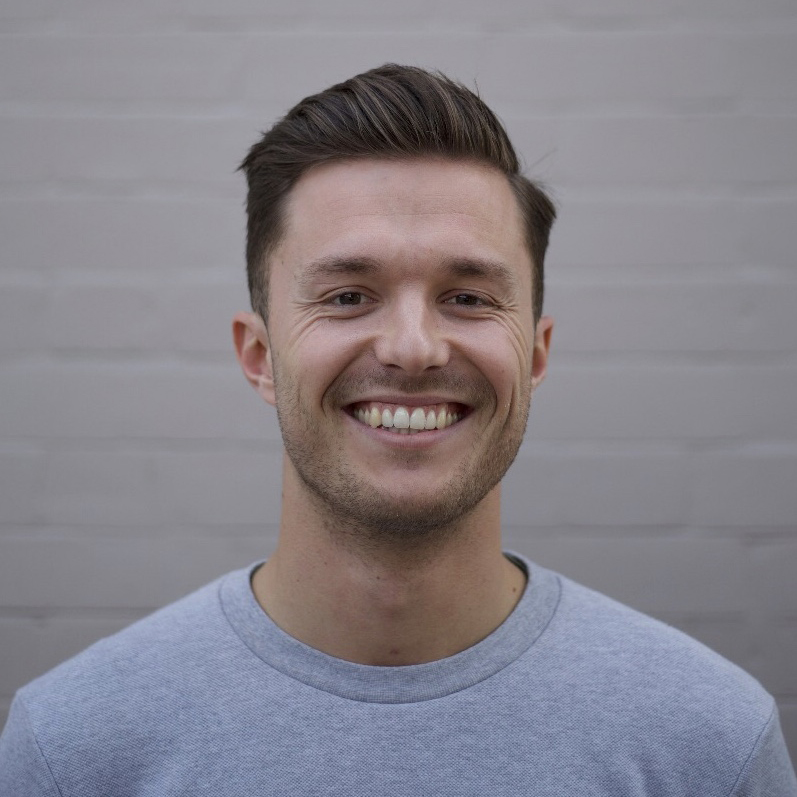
<point x="409" y="401"/>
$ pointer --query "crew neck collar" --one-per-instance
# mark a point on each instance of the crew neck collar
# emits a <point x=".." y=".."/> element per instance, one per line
<point x="391" y="684"/>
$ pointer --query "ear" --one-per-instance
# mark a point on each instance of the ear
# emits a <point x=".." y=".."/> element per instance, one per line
<point x="252" y="348"/>
<point x="542" y="345"/>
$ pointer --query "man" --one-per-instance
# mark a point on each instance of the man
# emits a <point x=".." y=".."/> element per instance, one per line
<point x="389" y="646"/>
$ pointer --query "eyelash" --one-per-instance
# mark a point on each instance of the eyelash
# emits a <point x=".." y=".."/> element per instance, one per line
<point x="336" y="299"/>
<point x="473" y="300"/>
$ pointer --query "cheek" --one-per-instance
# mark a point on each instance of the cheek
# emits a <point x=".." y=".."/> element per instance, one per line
<point x="503" y="352"/>
<point x="321" y="352"/>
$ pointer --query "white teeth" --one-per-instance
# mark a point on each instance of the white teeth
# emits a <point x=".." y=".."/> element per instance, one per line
<point x="401" y="418"/>
<point x="418" y="419"/>
<point x="402" y="421"/>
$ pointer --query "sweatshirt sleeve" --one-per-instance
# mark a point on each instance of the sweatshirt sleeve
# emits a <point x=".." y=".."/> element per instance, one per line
<point x="23" y="768"/>
<point x="768" y="771"/>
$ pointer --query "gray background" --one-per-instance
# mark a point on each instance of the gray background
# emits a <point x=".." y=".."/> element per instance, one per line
<point x="661" y="462"/>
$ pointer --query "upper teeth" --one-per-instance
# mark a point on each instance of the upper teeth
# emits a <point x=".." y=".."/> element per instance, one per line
<point x="404" y="421"/>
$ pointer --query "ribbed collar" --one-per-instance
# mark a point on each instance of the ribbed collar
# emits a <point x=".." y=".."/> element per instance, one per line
<point x="402" y="684"/>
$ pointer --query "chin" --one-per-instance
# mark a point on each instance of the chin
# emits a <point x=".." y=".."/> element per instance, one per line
<point x="396" y="520"/>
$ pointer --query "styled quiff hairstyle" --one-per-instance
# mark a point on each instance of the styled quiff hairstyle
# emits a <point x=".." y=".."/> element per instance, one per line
<point x="391" y="112"/>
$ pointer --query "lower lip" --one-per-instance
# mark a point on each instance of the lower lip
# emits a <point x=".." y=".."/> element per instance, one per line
<point x="419" y="440"/>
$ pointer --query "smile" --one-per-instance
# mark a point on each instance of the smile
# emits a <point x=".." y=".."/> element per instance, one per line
<point x="407" y="420"/>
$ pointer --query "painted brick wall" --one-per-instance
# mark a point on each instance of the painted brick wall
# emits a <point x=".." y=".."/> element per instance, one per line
<point x="661" y="463"/>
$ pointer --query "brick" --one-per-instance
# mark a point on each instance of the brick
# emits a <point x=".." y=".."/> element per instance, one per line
<point x="659" y="576"/>
<point x="198" y="317"/>
<point x="666" y="316"/>
<point x="675" y="11"/>
<point x="546" y="486"/>
<point x="119" y="68"/>
<point x="105" y="317"/>
<point x="106" y="488"/>
<point x="649" y="70"/>
<point x="667" y="232"/>
<point x="178" y="314"/>
<point x="21" y="326"/>
<point x="764" y="234"/>
<point x="226" y="488"/>
<point x="623" y="10"/>
<point x="110" y="235"/>
<point x="138" y="400"/>
<point x="774" y="565"/>
<point x="762" y="65"/>
<point x="21" y="10"/>
<point x="22" y="475"/>
<point x="122" y="317"/>
<point x="447" y="15"/>
<point x="135" y="572"/>
<point x="743" y="489"/>
<point x="595" y="233"/>
<point x="641" y="402"/>
<point x="158" y="11"/>
<point x="307" y="13"/>
<point x="700" y="151"/>
<point x="189" y="152"/>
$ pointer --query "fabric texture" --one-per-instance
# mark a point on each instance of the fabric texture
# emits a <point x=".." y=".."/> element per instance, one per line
<point x="572" y="694"/>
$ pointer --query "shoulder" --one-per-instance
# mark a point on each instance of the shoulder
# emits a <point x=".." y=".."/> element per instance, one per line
<point x="616" y="640"/>
<point x="148" y="648"/>
<point x="653" y="694"/>
<point x="137" y="681"/>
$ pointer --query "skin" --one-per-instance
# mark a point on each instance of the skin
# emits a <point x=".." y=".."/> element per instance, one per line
<point x="403" y="283"/>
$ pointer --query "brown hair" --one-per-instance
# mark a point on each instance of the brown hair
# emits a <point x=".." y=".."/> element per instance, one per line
<point x="389" y="112"/>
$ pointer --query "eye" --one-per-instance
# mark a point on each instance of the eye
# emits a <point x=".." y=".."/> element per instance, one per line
<point x="349" y="299"/>
<point x="466" y="300"/>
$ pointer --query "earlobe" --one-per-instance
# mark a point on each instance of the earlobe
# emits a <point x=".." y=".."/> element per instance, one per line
<point x="253" y="350"/>
<point x="542" y="347"/>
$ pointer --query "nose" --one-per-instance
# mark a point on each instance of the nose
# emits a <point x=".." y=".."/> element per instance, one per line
<point x="411" y="338"/>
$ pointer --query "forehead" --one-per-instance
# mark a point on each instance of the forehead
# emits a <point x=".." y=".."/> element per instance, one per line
<point x="413" y="210"/>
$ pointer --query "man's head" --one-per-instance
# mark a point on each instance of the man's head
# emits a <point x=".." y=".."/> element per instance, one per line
<point x="400" y="254"/>
<point x="389" y="113"/>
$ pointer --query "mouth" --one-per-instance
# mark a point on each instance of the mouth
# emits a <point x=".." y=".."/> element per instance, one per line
<point x="401" y="419"/>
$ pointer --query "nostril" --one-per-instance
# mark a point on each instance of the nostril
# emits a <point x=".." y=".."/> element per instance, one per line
<point x="413" y="349"/>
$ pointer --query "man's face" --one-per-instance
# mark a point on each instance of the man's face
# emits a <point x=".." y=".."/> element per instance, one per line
<point x="401" y="340"/>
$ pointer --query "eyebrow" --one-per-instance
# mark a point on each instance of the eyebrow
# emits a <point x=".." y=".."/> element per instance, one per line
<point x="483" y="269"/>
<point x="335" y="266"/>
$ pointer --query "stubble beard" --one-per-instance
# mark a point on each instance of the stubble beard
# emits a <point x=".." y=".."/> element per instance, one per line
<point x="356" y="511"/>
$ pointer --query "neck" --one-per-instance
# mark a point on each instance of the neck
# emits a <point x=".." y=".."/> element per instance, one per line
<point x="387" y="605"/>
